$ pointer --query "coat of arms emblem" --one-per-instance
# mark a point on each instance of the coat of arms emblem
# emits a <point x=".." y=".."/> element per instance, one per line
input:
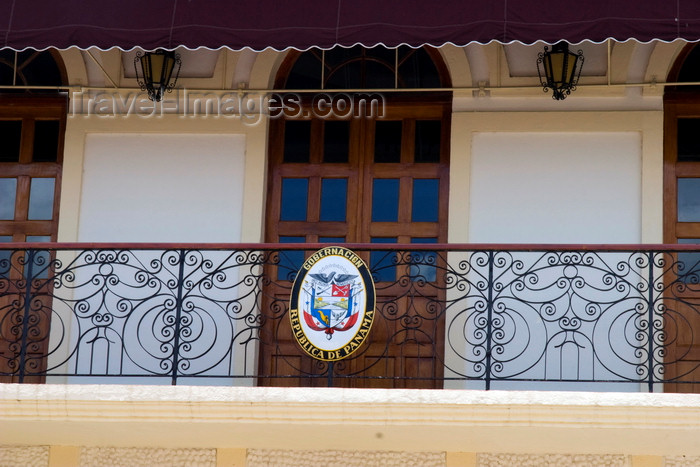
<point x="332" y="304"/>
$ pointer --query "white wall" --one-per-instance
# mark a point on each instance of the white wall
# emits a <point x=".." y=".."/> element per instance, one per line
<point x="162" y="188"/>
<point x="562" y="187"/>
<point x="154" y="188"/>
<point x="555" y="187"/>
<point x="555" y="177"/>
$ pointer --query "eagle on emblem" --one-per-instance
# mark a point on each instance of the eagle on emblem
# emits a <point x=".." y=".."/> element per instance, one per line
<point x="331" y="302"/>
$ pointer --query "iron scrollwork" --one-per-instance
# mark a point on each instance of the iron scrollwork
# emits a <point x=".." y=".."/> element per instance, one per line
<point x="445" y="318"/>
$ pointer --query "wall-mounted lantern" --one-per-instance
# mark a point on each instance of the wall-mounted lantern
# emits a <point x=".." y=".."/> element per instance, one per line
<point x="562" y="69"/>
<point x="156" y="72"/>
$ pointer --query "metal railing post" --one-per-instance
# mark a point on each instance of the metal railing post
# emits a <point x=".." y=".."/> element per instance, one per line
<point x="178" y="317"/>
<point x="29" y="272"/>
<point x="489" y="319"/>
<point x="650" y="307"/>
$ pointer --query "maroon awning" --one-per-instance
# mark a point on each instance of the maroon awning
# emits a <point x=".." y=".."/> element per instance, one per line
<point x="280" y="24"/>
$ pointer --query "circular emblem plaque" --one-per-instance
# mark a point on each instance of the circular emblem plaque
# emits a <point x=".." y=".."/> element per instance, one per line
<point x="332" y="304"/>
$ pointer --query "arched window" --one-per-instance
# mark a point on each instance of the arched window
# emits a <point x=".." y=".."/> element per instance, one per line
<point x="361" y="68"/>
<point x="31" y="68"/>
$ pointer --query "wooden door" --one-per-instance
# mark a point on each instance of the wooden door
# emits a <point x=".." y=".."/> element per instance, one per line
<point x="30" y="176"/>
<point x="682" y="225"/>
<point x="363" y="180"/>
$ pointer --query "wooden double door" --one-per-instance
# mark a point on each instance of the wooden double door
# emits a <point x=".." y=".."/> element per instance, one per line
<point x="30" y="178"/>
<point x="379" y="179"/>
<point x="682" y="225"/>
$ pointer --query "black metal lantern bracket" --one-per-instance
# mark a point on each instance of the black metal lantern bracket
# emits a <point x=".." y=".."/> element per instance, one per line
<point x="157" y="70"/>
<point x="562" y="69"/>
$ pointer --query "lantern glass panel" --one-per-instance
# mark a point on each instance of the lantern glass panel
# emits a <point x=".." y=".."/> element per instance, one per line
<point x="571" y="67"/>
<point x="157" y="67"/>
<point x="558" y="67"/>
<point x="146" y="67"/>
<point x="547" y="62"/>
<point x="168" y="69"/>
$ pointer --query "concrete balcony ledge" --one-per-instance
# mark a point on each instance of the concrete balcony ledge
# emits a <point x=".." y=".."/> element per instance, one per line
<point x="335" y="418"/>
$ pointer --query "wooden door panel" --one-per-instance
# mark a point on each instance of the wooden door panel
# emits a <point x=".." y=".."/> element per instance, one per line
<point x="24" y="332"/>
<point x="683" y="370"/>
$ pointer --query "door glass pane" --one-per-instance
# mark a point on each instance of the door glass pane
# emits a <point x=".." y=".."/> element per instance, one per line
<point x="423" y="262"/>
<point x="290" y="261"/>
<point x="10" y="135"/>
<point x="46" y="134"/>
<point x="336" y="240"/>
<point x="8" y="196"/>
<point x="378" y="75"/>
<point x="42" y="258"/>
<point x="295" y="193"/>
<point x="385" y="200"/>
<point x="41" y="199"/>
<point x="387" y="141"/>
<point x="425" y="200"/>
<point x="38" y="238"/>
<point x="5" y="256"/>
<point x="382" y="263"/>
<point x="347" y="77"/>
<point x="689" y="263"/>
<point x="688" y="141"/>
<point x="417" y="69"/>
<point x="336" y="141"/>
<point x="297" y="140"/>
<point x="334" y="195"/>
<point x="689" y="200"/>
<point x="427" y="147"/>
<point x="306" y="72"/>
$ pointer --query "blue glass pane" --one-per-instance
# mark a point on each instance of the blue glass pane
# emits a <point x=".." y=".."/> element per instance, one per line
<point x="334" y="195"/>
<point x="689" y="263"/>
<point x="8" y="196"/>
<point x="689" y="200"/>
<point x="295" y="192"/>
<point x="336" y="240"/>
<point x="425" y="200"/>
<point x="41" y="199"/>
<point x="385" y="200"/>
<point x="423" y="262"/>
<point x="382" y="263"/>
<point x="5" y="257"/>
<point x="42" y="258"/>
<point x="38" y="238"/>
<point x="290" y="261"/>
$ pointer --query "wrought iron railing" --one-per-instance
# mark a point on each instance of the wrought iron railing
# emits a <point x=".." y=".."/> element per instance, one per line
<point x="472" y="316"/>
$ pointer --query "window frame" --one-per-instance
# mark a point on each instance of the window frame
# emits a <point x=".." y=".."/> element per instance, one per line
<point x="30" y="109"/>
